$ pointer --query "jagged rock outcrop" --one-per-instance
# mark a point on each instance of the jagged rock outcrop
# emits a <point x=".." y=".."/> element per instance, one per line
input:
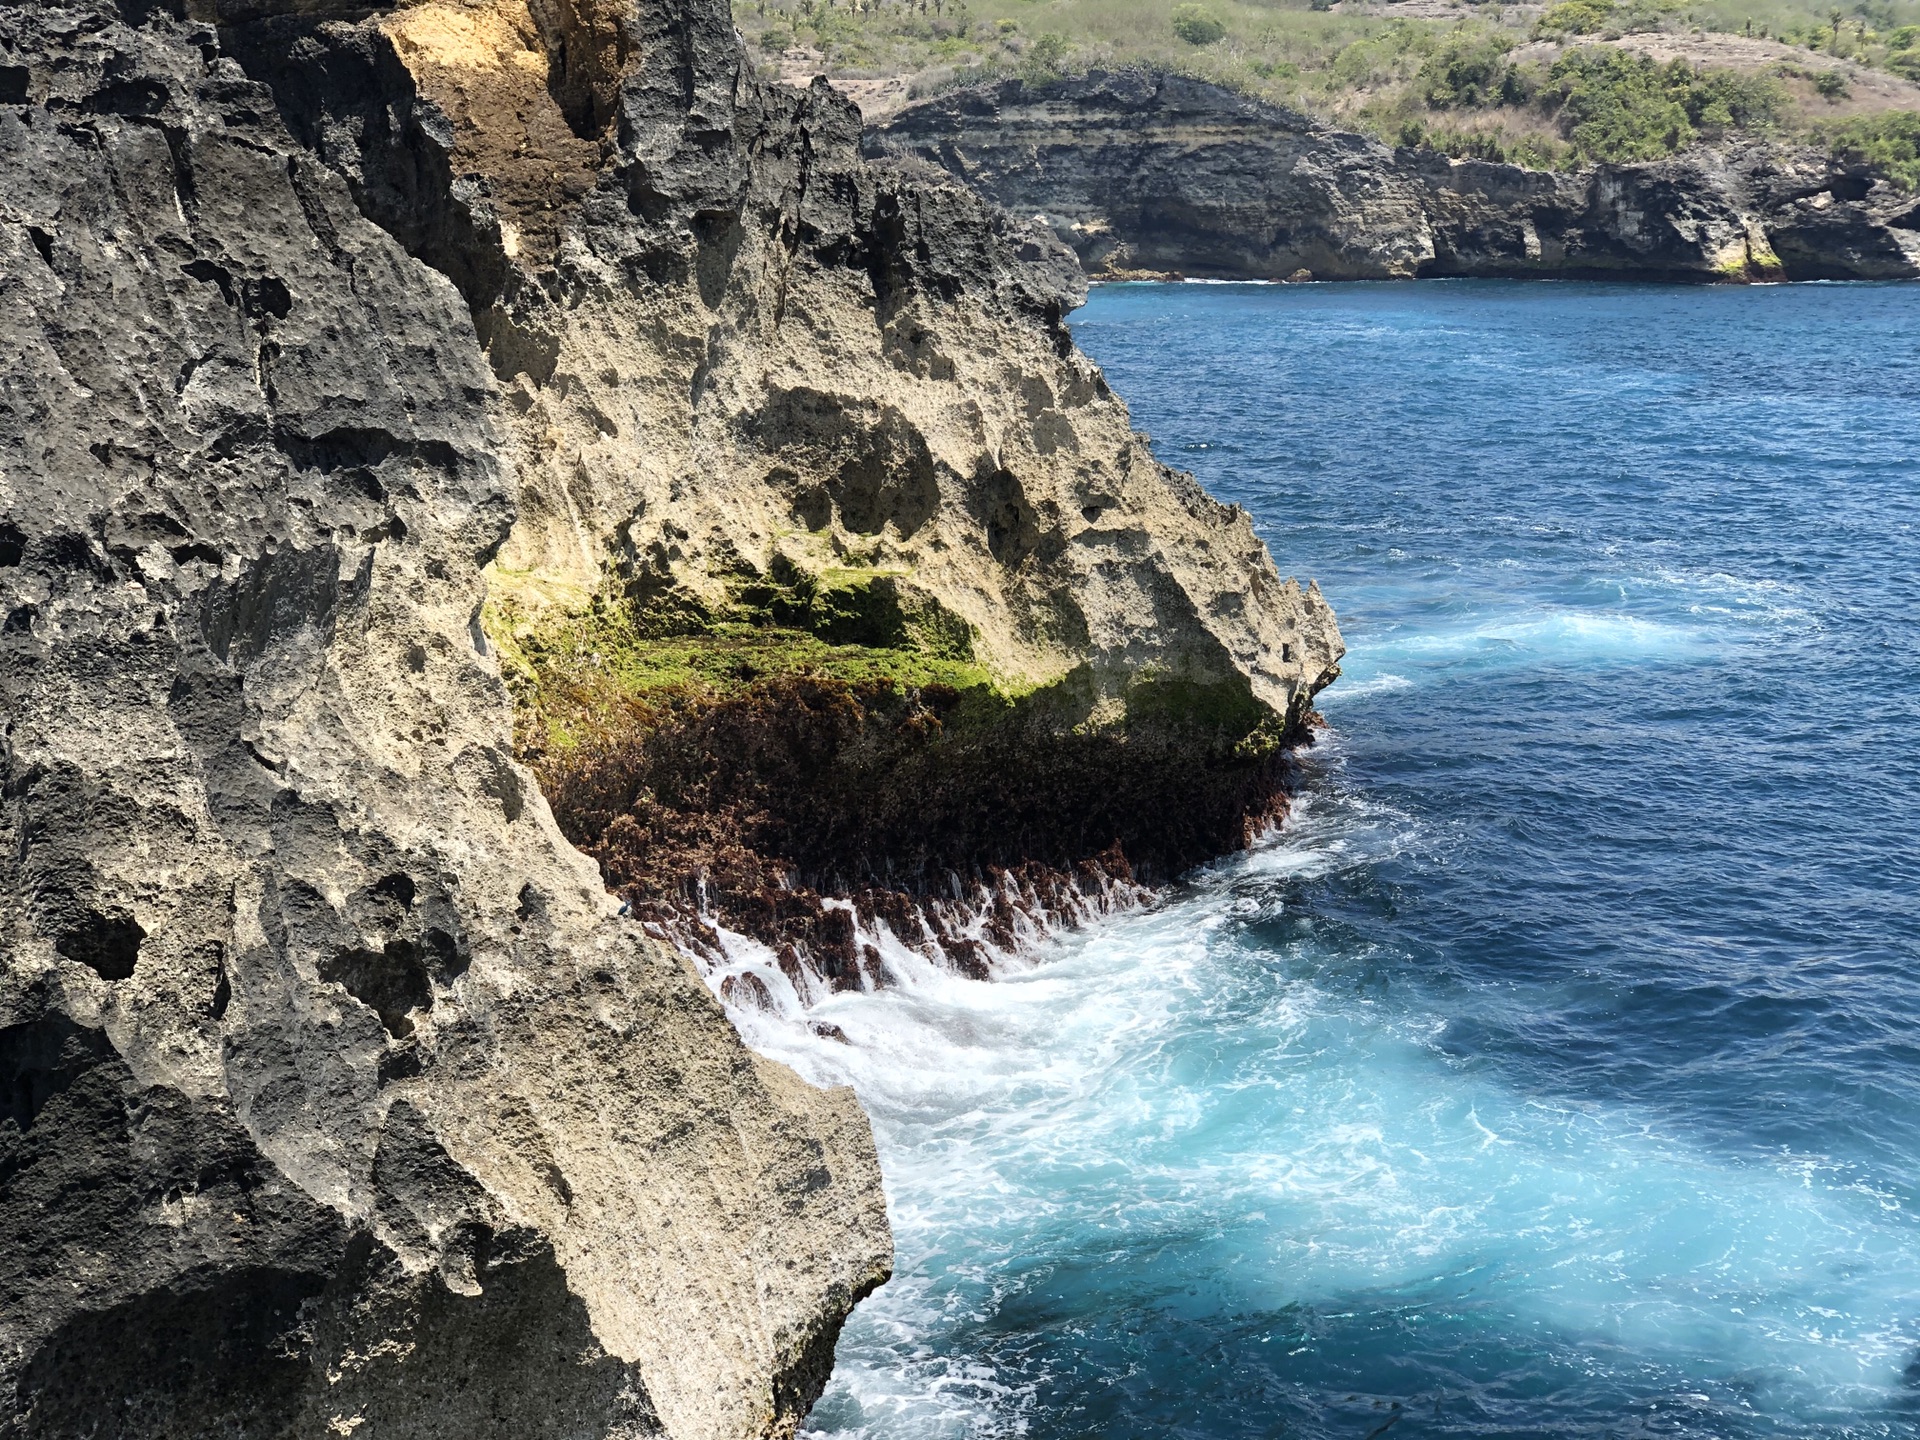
<point x="1144" y="172"/>
<point x="333" y="1096"/>
<point x="735" y="357"/>
<point x="729" y="348"/>
<point x="337" y="1095"/>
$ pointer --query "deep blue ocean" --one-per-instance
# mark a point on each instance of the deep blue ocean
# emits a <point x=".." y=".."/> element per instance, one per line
<point x="1557" y="1071"/>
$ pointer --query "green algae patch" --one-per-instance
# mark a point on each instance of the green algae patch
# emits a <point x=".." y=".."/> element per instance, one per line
<point x="851" y="605"/>
<point x="575" y="672"/>
<point x="1224" y="709"/>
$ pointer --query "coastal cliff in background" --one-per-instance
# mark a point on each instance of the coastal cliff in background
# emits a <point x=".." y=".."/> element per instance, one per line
<point x="1145" y="172"/>
<point x="355" y="353"/>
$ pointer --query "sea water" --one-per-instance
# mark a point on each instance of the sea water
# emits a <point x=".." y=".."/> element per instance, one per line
<point x="1556" y="1072"/>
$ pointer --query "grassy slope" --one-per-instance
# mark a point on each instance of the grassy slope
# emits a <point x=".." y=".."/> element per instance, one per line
<point x="1506" y="81"/>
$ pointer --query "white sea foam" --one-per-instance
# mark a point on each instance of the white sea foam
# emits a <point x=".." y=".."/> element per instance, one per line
<point x="1399" y="659"/>
<point x="1350" y="688"/>
<point x="1280" y="1114"/>
<point x="1162" y="1083"/>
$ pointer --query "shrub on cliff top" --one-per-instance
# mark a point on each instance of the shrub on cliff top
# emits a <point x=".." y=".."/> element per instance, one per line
<point x="1576" y="17"/>
<point x="1469" y="71"/>
<point x="1197" y="25"/>
<point x="1046" y="58"/>
<point x="1617" y="106"/>
<point x="1532" y="151"/>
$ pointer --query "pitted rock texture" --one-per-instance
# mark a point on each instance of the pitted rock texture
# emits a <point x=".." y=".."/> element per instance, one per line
<point x="334" y="1097"/>
<point x="337" y="1097"/>
<point x="1150" y="173"/>
<point x="731" y="349"/>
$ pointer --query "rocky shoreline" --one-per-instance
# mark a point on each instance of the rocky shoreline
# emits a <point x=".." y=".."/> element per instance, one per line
<point x="1148" y="174"/>
<point x="413" y="407"/>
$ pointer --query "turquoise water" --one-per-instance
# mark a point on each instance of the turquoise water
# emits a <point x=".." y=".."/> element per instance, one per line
<point x="1557" y="1071"/>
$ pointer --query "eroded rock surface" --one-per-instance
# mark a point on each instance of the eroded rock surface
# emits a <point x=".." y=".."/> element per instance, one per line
<point x="1144" y="172"/>
<point x="334" y="1093"/>
<point x="747" y="350"/>
<point x="736" y="361"/>
<point x="337" y="1097"/>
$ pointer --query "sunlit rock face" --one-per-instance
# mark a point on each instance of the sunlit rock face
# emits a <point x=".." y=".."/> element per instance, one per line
<point x="335" y="1095"/>
<point x="727" y="344"/>
<point x="734" y="357"/>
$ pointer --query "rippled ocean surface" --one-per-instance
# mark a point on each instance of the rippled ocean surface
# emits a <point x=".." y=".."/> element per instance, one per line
<point x="1557" y="1071"/>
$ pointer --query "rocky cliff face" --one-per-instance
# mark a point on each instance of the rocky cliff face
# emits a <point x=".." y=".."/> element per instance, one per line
<point x="1157" y="173"/>
<point x="728" y="346"/>
<point x="741" y="369"/>
<point x="334" y="1092"/>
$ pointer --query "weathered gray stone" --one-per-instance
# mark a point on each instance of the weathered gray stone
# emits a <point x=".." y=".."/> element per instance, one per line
<point x="337" y="1097"/>
<point x="334" y="1092"/>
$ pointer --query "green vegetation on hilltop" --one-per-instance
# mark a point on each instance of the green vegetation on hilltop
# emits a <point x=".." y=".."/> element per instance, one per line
<point x="1198" y="25"/>
<point x="1614" y="105"/>
<point x="1546" y="85"/>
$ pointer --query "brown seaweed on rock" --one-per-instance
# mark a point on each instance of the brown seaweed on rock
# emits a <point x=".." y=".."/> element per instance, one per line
<point x="750" y="808"/>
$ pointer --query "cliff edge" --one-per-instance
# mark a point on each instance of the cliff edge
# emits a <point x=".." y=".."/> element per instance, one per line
<point x="361" y="354"/>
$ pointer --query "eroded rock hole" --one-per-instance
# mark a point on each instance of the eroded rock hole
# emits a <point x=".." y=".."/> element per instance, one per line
<point x="1012" y="529"/>
<point x="269" y="296"/>
<point x="69" y="551"/>
<point x="218" y="276"/>
<point x="392" y="982"/>
<point x="1009" y="533"/>
<point x="106" y="942"/>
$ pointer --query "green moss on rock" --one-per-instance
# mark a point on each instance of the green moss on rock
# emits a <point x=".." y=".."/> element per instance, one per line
<point x="833" y="734"/>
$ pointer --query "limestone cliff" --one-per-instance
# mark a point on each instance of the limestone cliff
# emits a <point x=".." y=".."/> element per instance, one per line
<point x="335" y="1096"/>
<point x="338" y="1097"/>
<point x="728" y="346"/>
<point x="1145" y="172"/>
<point x="743" y="369"/>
